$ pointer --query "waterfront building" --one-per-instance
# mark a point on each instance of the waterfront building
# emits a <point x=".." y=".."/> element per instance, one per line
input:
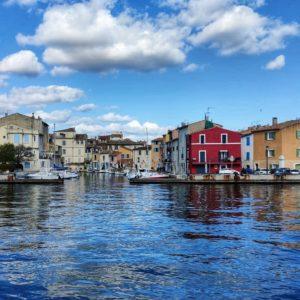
<point x="157" y="154"/>
<point x="212" y="149"/>
<point x="247" y="147"/>
<point x="31" y="132"/>
<point x="73" y="147"/>
<point x="184" y="131"/>
<point x="277" y="145"/>
<point x="142" y="158"/>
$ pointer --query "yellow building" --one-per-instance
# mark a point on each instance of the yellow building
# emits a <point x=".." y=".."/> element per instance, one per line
<point x="279" y="144"/>
<point x="73" y="147"/>
<point x="156" y="154"/>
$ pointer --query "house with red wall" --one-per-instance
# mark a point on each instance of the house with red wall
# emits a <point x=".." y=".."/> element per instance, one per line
<point x="212" y="149"/>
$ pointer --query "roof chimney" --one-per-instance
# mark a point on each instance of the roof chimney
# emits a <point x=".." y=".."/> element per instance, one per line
<point x="274" y="121"/>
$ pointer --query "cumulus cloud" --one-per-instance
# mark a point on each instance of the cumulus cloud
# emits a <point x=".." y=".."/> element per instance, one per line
<point x="39" y="96"/>
<point x="241" y="30"/>
<point x="86" y="107"/>
<point x="93" y="38"/>
<point x="190" y="68"/>
<point x="98" y="41"/>
<point x="133" y="128"/>
<point x="56" y="116"/>
<point x="276" y="64"/>
<point x="61" y="71"/>
<point x="23" y="62"/>
<point x="113" y="117"/>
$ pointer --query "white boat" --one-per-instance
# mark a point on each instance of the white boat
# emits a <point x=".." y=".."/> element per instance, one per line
<point x="66" y="174"/>
<point x="145" y="174"/>
<point x="43" y="175"/>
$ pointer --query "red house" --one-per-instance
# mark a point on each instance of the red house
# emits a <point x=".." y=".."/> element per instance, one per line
<point x="213" y="149"/>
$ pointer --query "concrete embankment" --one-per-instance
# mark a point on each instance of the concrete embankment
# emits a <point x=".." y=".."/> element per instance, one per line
<point x="222" y="179"/>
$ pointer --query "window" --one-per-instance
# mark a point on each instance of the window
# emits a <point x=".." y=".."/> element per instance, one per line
<point x="156" y="149"/>
<point x="298" y="153"/>
<point x="140" y="152"/>
<point x="103" y="158"/>
<point x="248" y="156"/>
<point x="64" y="143"/>
<point x="127" y="155"/>
<point x="270" y="135"/>
<point x="298" y="134"/>
<point x="202" y="156"/>
<point x="16" y="138"/>
<point x="138" y="160"/>
<point x="224" y="138"/>
<point x="4" y="137"/>
<point x="116" y="147"/>
<point x="27" y="165"/>
<point x="34" y="138"/>
<point x="64" y="151"/>
<point x="202" y="138"/>
<point x="223" y="155"/>
<point x="26" y="138"/>
<point x="122" y="155"/>
<point x="270" y="153"/>
<point x="248" y="141"/>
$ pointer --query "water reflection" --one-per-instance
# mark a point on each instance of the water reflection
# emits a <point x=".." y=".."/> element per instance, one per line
<point x="99" y="237"/>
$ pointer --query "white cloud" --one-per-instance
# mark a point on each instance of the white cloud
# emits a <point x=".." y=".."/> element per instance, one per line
<point x="3" y="80"/>
<point x="241" y="30"/>
<point x="56" y="116"/>
<point x="23" y="62"/>
<point x="93" y="38"/>
<point x="276" y="64"/>
<point x="190" y="68"/>
<point x="85" y="107"/>
<point x="38" y="96"/>
<point x="113" y="117"/>
<point x="90" y="38"/>
<point x="21" y="2"/>
<point x="61" y="71"/>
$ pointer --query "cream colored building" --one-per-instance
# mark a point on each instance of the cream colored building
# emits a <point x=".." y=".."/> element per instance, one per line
<point x="72" y="147"/>
<point x="142" y="158"/>
<point x="31" y="132"/>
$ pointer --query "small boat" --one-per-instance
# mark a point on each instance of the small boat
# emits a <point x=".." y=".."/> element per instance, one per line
<point x="146" y="174"/>
<point x="43" y="175"/>
<point x="66" y="174"/>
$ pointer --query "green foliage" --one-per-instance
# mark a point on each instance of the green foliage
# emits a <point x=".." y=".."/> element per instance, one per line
<point x="22" y="153"/>
<point x="7" y="153"/>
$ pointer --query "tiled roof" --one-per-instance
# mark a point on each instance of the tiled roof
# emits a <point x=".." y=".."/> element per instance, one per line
<point x="271" y="127"/>
<point x="66" y="130"/>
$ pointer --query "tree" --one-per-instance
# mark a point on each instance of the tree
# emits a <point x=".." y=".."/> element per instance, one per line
<point x="22" y="153"/>
<point x="7" y="153"/>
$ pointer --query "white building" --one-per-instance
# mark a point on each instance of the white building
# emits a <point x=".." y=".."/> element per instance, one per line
<point x="31" y="132"/>
<point x="247" y="150"/>
<point x="73" y="147"/>
<point x="142" y="158"/>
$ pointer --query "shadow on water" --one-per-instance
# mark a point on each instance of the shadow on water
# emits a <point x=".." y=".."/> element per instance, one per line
<point x="99" y="237"/>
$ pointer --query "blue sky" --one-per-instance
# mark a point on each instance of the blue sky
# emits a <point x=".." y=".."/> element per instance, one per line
<point x="104" y="65"/>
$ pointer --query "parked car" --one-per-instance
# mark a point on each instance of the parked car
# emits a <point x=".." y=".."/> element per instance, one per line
<point x="262" y="172"/>
<point x="295" y="172"/>
<point x="282" y="171"/>
<point x="228" y="171"/>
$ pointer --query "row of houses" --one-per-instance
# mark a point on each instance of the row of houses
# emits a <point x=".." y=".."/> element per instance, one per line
<point x="199" y="147"/>
<point x="207" y="147"/>
<point x="68" y="148"/>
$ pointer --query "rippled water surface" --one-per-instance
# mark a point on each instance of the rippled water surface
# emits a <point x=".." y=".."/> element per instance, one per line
<point x="101" y="238"/>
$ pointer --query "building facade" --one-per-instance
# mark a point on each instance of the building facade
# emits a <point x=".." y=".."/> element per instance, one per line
<point x="30" y="132"/>
<point x="142" y="158"/>
<point x="247" y="143"/>
<point x="213" y="149"/>
<point x="157" y="154"/>
<point x="277" y="145"/>
<point x="72" y="146"/>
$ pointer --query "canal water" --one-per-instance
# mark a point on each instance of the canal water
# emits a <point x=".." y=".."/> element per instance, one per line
<point x="100" y="238"/>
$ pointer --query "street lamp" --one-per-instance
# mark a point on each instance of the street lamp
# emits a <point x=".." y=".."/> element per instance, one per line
<point x="267" y="159"/>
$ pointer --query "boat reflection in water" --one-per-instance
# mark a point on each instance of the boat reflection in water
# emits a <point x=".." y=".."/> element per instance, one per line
<point x="99" y="237"/>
